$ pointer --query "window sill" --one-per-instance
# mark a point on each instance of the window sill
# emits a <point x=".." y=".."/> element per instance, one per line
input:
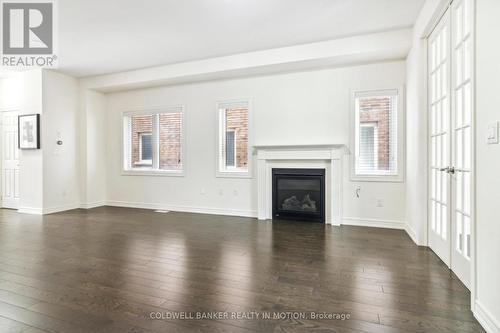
<point x="233" y="174"/>
<point x="377" y="178"/>
<point x="144" y="164"/>
<point x="165" y="173"/>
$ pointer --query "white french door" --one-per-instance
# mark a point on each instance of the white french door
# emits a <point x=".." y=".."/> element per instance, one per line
<point x="10" y="160"/>
<point x="462" y="125"/>
<point x="450" y="118"/>
<point x="439" y="116"/>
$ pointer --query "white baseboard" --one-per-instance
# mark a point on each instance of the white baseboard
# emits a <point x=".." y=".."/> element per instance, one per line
<point x="363" y="222"/>
<point x="90" y="205"/>
<point x="49" y="210"/>
<point x="57" y="209"/>
<point x="486" y="319"/>
<point x="30" y="210"/>
<point x="186" y="209"/>
<point x="411" y="233"/>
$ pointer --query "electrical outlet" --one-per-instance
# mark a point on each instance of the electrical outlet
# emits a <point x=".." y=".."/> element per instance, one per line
<point x="235" y="193"/>
<point x="221" y="191"/>
<point x="380" y="203"/>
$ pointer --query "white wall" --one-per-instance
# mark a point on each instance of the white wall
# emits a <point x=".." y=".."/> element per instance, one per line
<point x="487" y="165"/>
<point x="11" y="91"/>
<point x="93" y="126"/>
<point x="299" y="108"/>
<point x="60" y="122"/>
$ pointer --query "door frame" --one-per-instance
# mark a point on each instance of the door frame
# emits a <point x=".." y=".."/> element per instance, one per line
<point x="434" y="21"/>
<point x="11" y="109"/>
<point x="473" y="286"/>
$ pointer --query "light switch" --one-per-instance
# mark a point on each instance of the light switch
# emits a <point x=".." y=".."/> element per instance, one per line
<point x="492" y="134"/>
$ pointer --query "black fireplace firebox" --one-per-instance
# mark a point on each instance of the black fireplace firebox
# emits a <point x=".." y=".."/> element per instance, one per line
<point x="299" y="194"/>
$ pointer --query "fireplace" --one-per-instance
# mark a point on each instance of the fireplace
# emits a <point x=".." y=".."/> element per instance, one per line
<point x="298" y="194"/>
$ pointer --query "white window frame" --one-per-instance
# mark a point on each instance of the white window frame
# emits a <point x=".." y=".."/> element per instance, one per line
<point x="399" y="176"/>
<point x="127" y="168"/>
<point x="233" y="172"/>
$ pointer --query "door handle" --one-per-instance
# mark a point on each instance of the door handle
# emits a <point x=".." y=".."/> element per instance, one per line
<point x="450" y="170"/>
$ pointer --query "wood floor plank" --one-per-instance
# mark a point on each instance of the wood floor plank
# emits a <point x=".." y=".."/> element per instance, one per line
<point x="12" y="326"/>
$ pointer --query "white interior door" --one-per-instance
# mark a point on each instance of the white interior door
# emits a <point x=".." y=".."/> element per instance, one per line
<point x="462" y="112"/>
<point x="439" y="117"/>
<point x="450" y="117"/>
<point x="10" y="160"/>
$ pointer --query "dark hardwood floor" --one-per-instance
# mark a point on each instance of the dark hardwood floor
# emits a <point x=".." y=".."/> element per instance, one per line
<point x="107" y="269"/>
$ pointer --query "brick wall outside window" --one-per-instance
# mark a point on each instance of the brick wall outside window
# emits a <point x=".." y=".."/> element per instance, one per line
<point x="237" y="120"/>
<point x="376" y="110"/>
<point x="170" y="139"/>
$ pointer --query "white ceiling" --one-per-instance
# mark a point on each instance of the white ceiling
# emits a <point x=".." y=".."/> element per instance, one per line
<point x="105" y="36"/>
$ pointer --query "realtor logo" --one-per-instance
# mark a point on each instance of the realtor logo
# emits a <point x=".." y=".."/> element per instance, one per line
<point x="28" y="34"/>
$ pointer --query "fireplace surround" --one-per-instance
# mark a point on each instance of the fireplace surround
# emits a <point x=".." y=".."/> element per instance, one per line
<point x="324" y="156"/>
<point x="298" y="194"/>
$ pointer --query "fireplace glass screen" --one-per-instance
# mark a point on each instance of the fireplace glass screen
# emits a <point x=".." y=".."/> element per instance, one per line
<point x="299" y="194"/>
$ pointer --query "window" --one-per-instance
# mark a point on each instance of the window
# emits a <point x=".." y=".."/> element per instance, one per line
<point x="233" y="139"/>
<point x="368" y="152"/>
<point x="230" y="149"/>
<point x="153" y="142"/>
<point x="145" y="149"/>
<point x="377" y="141"/>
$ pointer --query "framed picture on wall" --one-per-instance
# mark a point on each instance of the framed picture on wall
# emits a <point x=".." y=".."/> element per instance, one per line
<point x="29" y="131"/>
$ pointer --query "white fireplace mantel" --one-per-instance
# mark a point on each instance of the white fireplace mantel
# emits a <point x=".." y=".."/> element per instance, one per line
<point x="324" y="156"/>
